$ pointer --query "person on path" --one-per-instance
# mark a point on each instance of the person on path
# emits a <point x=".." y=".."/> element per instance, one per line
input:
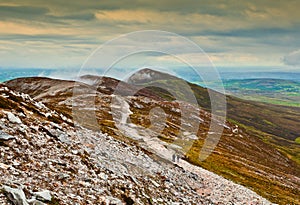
<point x="178" y="157"/>
<point x="173" y="157"/>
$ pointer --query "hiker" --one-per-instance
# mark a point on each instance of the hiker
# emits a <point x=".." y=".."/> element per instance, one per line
<point x="173" y="157"/>
<point x="178" y="157"/>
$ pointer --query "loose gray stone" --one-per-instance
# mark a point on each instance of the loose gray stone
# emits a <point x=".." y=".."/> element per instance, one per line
<point x="43" y="195"/>
<point x="114" y="201"/>
<point x="103" y="176"/>
<point x="64" y="138"/>
<point x="16" y="196"/>
<point x="13" y="119"/>
<point x="62" y="176"/>
<point x="35" y="202"/>
<point x="5" y="137"/>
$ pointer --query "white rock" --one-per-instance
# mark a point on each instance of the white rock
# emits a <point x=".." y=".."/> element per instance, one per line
<point x="4" y="95"/>
<point x="22" y="114"/>
<point x="43" y="195"/>
<point x="64" y="138"/>
<point x="40" y="105"/>
<point x="4" y="136"/>
<point x="62" y="176"/>
<point x="155" y="183"/>
<point x="48" y="114"/>
<point x="13" y="119"/>
<point x="17" y="196"/>
<point x="64" y="118"/>
<point x="103" y="176"/>
<point x="36" y="202"/>
<point x="4" y="166"/>
<point x="115" y="201"/>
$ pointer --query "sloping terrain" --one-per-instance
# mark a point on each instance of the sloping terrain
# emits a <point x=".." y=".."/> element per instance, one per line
<point x="278" y="126"/>
<point x="242" y="155"/>
<point x="285" y="120"/>
<point x="45" y="159"/>
<point x="274" y="124"/>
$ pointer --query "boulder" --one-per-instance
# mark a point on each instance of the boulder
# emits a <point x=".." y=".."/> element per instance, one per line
<point x="16" y="196"/>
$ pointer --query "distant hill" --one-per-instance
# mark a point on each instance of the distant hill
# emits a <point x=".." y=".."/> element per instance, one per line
<point x="254" y="114"/>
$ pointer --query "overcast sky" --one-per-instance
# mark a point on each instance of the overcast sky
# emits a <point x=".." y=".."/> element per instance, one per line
<point x="62" y="34"/>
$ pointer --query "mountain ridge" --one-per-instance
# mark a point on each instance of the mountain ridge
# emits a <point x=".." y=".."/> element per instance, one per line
<point x="246" y="169"/>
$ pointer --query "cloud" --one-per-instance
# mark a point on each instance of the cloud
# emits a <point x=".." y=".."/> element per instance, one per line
<point x="234" y="31"/>
<point x="250" y="32"/>
<point x="82" y="17"/>
<point x="40" y="14"/>
<point x="45" y="37"/>
<point x="138" y="16"/>
<point x="292" y="59"/>
<point x="21" y="12"/>
<point x="227" y="59"/>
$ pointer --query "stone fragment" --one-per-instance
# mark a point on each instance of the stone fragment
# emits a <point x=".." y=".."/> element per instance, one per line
<point x="16" y="196"/>
<point x="13" y="119"/>
<point x="43" y="195"/>
<point x="5" y="137"/>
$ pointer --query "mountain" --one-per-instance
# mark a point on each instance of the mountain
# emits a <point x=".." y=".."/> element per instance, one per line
<point x="277" y="121"/>
<point x="277" y="126"/>
<point x="47" y="158"/>
<point x="249" y="152"/>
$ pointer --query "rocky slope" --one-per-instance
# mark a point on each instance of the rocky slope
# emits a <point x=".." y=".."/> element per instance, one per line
<point x="239" y="156"/>
<point x="45" y="159"/>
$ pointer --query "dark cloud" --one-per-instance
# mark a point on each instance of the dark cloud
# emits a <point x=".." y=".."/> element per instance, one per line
<point x="41" y="14"/>
<point x="83" y="17"/>
<point x="21" y="12"/>
<point x="217" y="7"/>
<point x="49" y="38"/>
<point x="251" y="32"/>
<point x="260" y="37"/>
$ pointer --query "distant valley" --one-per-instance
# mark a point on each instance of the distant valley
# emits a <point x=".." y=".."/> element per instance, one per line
<point x="274" y="91"/>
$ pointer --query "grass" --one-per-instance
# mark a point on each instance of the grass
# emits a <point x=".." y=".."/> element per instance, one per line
<point x="270" y="100"/>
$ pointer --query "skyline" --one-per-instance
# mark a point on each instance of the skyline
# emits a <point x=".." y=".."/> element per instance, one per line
<point x="253" y="35"/>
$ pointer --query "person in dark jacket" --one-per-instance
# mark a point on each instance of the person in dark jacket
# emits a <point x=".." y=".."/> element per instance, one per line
<point x="178" y="158"/>
<point x="174" y="157"/>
